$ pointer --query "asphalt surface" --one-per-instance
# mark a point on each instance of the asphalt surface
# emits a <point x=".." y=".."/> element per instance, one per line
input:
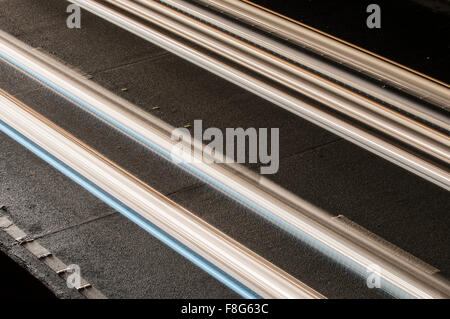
<point x="123" y="261"/>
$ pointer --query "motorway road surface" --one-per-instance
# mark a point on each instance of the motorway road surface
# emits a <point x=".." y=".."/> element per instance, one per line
<point x="123" y="261"/>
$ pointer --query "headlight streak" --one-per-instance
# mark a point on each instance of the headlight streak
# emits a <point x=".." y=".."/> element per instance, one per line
<point x="226" y="260"/>
<point x="408" y="160"/>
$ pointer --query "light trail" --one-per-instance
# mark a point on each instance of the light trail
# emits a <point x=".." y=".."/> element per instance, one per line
<point x="237" y="267"/>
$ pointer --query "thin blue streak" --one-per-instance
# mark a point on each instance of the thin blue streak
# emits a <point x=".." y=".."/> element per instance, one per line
<point x="130" y="214"/>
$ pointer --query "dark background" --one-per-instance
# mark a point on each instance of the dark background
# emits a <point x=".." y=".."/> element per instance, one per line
<point x="414" y="33"/>
<point x="17" y="283"/>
